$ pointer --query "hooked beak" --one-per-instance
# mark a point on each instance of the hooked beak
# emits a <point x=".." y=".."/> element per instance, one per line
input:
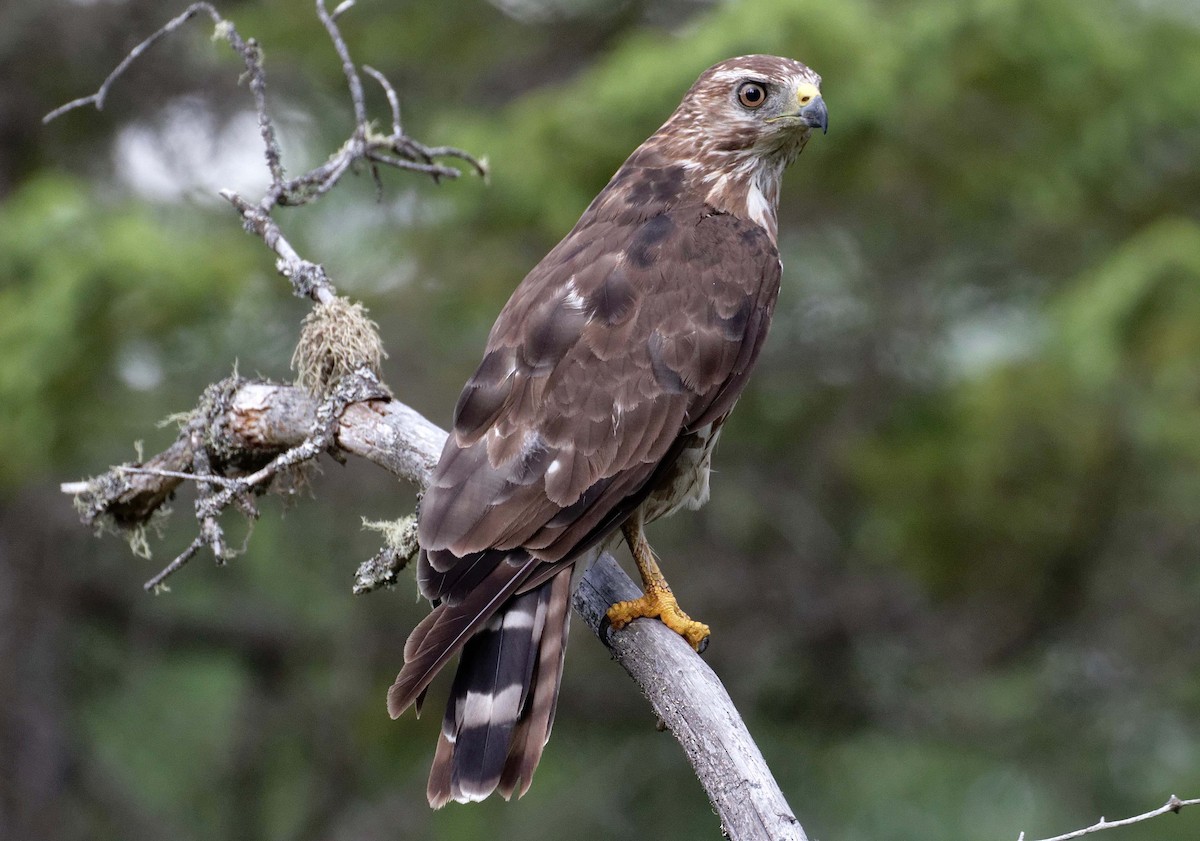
<point x="815" y="114"/>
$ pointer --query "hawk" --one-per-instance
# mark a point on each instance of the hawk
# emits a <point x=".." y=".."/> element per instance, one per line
<point x="596" y="408"/>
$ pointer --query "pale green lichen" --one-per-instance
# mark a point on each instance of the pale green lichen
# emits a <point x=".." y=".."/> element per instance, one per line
<point x="177" y="419"/>
<point x="400" y="535"/>
<point x="337" y="339"/>
<point x="381" y="569"/>
<point x="223" y="31"/>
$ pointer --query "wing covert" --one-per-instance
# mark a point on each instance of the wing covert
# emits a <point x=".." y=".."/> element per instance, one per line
<point x="601" y="359"/>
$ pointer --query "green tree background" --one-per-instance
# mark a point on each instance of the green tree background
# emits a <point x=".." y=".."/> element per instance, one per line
<point x="950" y="560"/>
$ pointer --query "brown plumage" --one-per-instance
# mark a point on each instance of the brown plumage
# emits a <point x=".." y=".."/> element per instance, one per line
<point x="602" y="389"/>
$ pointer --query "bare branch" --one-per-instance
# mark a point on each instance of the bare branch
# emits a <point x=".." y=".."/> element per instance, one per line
<point x="97" y="99"/>
<point x="245" y="424"/>
<point x="250" y="54"/>
<point x="207" y="512"/>
<point x="167" y="474"/>
<point x="695" y="707"/>
<point x="156" y="584"/>
<point x="308" y="279"/>
<point x="1173" y="804"/>
<point x="436" y="170"/>
<point x="396" y="150"/>
<point x="390" y="92"/>
<point x="479" y="166"/>
<point x="352" y="77"/>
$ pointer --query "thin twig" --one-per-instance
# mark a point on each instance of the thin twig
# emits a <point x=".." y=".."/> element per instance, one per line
<point x="251" y="54"/>
<point x="97" y="99"/>
<point x="479" y="166"/>
<point x="432" y="169"/>
<point x="180" y="560"/>
<point x="352" y="77"/>
<point x="223" y="481"/>
<point x="390" y="92"/>
<point x="210" y="504"/>
<point x="211" y="532"/>
<point x="1173" y="804"/>
<point x="396" y="150"/>
<point x="308" y="279"/>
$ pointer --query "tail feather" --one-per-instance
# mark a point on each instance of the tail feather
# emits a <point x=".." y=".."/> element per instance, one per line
<point x="502" y="702"/>
<point x="448" y="627"/>
<point x="533" y="729"/>
<point x="489" y="691"/>
<point x="439" y="791"/>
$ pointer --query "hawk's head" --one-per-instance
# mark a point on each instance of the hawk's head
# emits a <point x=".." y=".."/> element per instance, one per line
<point x="750" y="107"/>
<point x="726" y="145"/>
<point x="728" y="142"/>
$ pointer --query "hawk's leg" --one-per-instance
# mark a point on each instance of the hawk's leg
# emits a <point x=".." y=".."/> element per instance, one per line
<point x="658" y="602"/>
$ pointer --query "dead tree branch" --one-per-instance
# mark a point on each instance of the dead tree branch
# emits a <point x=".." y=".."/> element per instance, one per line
<point x="364" y="146"/>
<point x="691" y="701"/>
<point x="97" y="99"/>
<point x="339" y="353"/>
<point x="683" y="691"/>
<point x="1173" y="804"/>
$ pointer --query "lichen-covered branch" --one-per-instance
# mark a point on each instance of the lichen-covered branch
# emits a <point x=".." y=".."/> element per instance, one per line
<point x="684" y="692"/>
<point x="339" y="351"/>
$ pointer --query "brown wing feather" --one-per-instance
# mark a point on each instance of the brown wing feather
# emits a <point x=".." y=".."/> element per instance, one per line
<point x="593" y="369"/>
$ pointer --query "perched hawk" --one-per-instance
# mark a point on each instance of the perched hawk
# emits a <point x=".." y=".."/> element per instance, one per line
<point x="600" y="397"/>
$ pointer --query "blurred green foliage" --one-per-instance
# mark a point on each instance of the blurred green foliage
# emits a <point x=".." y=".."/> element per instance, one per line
<point x="950" y="559"/>
<point x="85" y="278"/>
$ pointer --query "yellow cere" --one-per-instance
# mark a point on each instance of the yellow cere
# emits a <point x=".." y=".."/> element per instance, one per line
<point x="806" y="92"/>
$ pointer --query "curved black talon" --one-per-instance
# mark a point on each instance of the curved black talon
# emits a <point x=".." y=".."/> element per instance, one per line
<point x="606" y="630"/>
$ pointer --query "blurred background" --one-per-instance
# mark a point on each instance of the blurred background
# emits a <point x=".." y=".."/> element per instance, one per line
<point x="950" y="559"/>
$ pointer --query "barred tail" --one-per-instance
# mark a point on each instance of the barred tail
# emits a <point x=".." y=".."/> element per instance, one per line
<point x="502" y="702"/>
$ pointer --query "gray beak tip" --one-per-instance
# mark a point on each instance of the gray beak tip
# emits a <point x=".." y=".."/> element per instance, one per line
<point x="816" y="115"/>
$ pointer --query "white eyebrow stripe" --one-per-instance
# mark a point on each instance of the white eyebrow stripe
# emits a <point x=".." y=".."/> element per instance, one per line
<point x="737" y="73"/>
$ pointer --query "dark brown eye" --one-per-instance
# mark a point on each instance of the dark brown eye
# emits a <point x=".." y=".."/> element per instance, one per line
<point x="752" y="94"/>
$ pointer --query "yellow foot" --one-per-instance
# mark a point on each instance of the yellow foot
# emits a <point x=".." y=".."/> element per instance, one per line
<point x="660" y="604"/>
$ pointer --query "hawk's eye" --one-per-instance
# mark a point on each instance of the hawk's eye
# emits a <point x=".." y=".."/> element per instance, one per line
<point x="752" y="94"/>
